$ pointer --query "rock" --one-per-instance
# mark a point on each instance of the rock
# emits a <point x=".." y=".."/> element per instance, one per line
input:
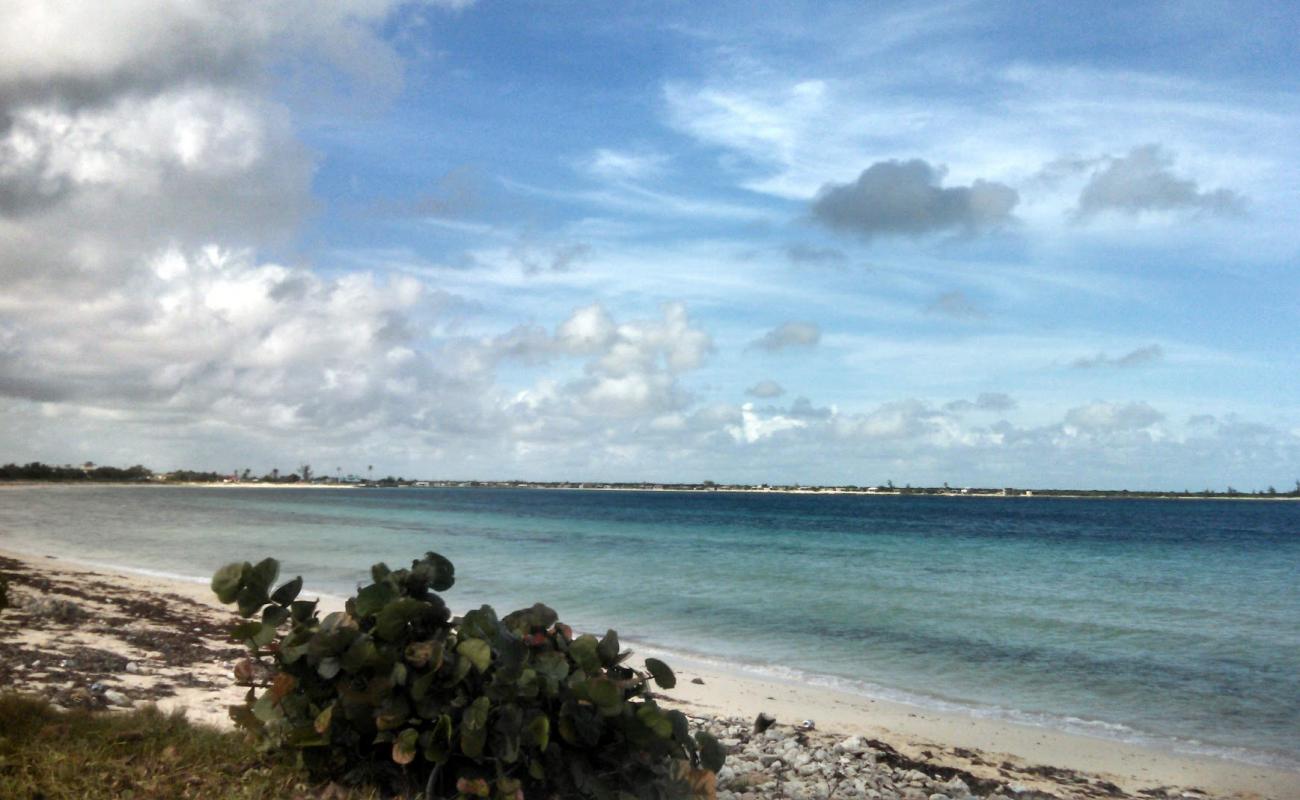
<point x="806" y="725"/>
<point x="939" y="796"/>
<point x="763" y="721"/>
<point x="699" y="681"/>
<point x="850" y="745"/>
<point x="116" y="698"/>
<point x="132" y="667"/>
<point x="729" y="742"/>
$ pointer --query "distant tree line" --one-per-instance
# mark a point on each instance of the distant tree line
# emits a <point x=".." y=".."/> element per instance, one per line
<point x="36" y="471"/>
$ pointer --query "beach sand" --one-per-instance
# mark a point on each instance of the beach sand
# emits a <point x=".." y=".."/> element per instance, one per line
<point x="137" y="638"/>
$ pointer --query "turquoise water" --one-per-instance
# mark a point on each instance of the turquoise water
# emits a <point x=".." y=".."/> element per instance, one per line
<point x="1176" y="623"/>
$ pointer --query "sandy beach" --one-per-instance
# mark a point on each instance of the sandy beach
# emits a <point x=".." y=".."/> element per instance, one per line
<point x="132" y="638"/>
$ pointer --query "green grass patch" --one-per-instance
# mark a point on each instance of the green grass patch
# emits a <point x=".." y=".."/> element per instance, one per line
<point x="48" y="754"/>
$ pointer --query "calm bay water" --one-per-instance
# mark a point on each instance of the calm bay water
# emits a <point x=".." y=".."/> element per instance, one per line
<point x="1171" y="622"/>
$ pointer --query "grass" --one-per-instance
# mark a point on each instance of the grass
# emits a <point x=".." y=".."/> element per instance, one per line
<point x="49" y="754"/>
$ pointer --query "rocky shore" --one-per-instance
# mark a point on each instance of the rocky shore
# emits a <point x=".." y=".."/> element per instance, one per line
<point x="785" y="761"/>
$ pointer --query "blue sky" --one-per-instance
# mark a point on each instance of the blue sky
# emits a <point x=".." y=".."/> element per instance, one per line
<point x="982" y="243"/>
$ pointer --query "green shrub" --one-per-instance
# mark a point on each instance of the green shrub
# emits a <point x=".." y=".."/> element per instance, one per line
<point x="393" y="689"/>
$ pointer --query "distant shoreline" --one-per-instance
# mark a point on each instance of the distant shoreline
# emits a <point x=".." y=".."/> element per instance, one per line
<point x="1063" y="494"/>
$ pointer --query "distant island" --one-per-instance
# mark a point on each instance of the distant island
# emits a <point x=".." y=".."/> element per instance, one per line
<point x="89" y="472"/>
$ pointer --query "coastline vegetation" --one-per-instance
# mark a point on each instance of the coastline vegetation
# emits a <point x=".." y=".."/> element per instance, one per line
<point x="393" y="691"/>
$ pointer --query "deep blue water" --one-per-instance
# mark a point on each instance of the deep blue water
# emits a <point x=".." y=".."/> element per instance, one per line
<point x="1172" y="621"/>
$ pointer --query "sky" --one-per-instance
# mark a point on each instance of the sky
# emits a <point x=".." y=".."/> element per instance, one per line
<point x="987" y="244"/>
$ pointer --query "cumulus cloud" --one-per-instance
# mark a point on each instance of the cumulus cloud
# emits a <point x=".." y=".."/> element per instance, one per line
<point x="765" y="389"/>
<point x="755" y="427"/>
<point x="905" y="198"/>
<point x="1134" y="358"/>
<point x="1101" y="417"/>
<point x="1144" y="181"/>
<point x="789" y="335"/>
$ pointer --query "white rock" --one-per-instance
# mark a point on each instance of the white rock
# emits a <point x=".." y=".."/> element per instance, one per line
<point x="116" y="698"/>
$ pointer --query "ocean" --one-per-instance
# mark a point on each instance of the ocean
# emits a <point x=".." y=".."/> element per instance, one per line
<point x="1172" y="623"/>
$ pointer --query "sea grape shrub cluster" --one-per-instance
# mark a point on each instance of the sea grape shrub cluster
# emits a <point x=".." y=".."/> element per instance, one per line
<point x="394" y="689"/>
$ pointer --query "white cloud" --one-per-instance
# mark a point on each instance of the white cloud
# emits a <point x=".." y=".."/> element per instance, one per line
<point x="753" y="427"/>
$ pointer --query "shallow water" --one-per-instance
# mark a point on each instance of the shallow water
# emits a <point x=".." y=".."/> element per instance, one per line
<point x="1175" y="622"/>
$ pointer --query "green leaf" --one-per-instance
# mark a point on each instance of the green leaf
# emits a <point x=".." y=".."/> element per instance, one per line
<point x="539" y="730"/>
<point x="584" y="653"/>
<point x="476" y="715"/>
<point x="228" y="580"/>
<point x="391" y="622"/>
<point x="323" y="719"/>
<point x="481" y="623"/>
<point x="361" y="653"/>
<point x="526" y="620"/>
<point x="288" y="592"/>
<point x="712" y="756"/>
<point x="655" y="720"/>
<point x="250" y="599"/>
<point x="473" y="733"/>
<point x="274" y="616"/>
<point x="443" y="573"/>
<point x="477" y="651"/>
<point x="372" y="599"/>
<point x="379" y="571"/>
<point x="607" y="697"/>
<point x="302" y="610"/>
<point x="608" y="648"/>
<point x="661" y="673"/>
<point x="264" y="574"/>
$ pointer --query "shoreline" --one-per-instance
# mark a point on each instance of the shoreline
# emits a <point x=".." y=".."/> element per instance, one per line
<point x="1024" y="755"/>
<point x="826" y="491"/>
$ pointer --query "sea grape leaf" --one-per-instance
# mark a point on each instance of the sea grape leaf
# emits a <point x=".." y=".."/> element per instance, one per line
<point x="288" y="592"/>
<point x="661" y="673"/>
<point x="373" y="598"/>
<point x="264" y="574"/>
<point x="584" y="652"/>
<point x="608" y="648"/>
<point x="228" y="580"/>
<point x="477" y="651"/>
<point x="712" y="756"/>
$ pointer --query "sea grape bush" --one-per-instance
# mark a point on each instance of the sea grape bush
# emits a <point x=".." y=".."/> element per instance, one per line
<point x="514" y="708"/>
